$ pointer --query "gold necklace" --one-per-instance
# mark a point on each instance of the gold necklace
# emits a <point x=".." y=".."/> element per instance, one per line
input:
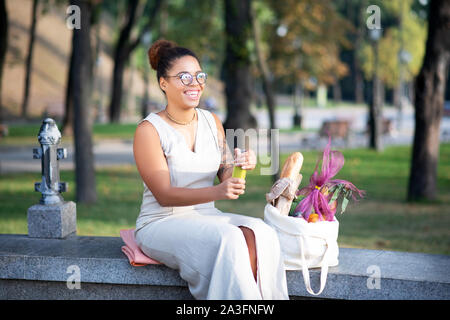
<point x="179" y="122"/>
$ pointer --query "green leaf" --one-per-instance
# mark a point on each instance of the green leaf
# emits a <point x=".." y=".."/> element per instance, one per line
<point x="336" y="193"/>
<point x="294" y="205"/>
<point x="344" y="205"/>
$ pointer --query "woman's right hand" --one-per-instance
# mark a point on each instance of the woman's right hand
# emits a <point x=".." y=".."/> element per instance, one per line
<point x="231" y="188"/>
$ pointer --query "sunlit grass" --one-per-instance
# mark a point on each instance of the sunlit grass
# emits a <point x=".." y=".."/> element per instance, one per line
<point x="26" y="134"/>
<point x="382" y="220"/>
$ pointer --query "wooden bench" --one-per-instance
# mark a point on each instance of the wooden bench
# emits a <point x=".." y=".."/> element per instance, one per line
<point x="387" y="126"/>
<point x="335" y="129"/>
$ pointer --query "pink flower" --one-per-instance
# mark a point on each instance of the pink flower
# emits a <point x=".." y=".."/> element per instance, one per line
<point x="315" y="199"/>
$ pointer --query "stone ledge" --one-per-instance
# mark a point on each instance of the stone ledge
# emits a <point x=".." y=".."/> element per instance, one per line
<point x="29" y="264"/>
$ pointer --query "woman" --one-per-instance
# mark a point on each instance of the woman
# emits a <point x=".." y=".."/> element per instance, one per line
<point x="178" y="152"/>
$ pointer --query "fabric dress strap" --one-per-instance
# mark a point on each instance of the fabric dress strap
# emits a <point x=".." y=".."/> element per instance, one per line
<point x="210" y="125"/>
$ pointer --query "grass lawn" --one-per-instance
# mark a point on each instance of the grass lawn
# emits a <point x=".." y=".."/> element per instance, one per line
<point x="26" y="134"/>
<point x="382" y="220"/>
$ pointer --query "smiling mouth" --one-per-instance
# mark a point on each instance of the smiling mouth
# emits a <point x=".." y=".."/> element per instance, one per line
<point x="193" y="94"/>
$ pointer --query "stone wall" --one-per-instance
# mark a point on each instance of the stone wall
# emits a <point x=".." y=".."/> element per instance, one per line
<point x="33" y="268"/>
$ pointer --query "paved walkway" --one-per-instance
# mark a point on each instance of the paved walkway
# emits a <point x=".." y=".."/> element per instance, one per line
<point x="118" y="152"/>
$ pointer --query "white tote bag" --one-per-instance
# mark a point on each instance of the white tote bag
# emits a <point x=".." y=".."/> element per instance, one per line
<point x="305" y="245"/>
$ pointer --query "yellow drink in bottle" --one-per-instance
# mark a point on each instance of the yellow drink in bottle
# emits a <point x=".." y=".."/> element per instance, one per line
<point x="238" y="172"/>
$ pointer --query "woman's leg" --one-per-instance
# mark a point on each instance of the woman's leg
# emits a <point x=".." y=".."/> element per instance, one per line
<point x="271" y="274"/>
<point x="251" y="244"/>
<point x="210" y="254"/>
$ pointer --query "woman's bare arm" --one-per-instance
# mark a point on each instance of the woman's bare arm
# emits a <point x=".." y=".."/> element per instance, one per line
<point x="152" y="166"/>
<point x="247" y="160"/>
<point x="226" y="165"/>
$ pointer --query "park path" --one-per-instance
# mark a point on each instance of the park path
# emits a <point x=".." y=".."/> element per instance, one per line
<point x="118" y="152"/>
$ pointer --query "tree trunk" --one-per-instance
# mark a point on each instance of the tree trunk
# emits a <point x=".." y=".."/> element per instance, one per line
<point x="358" y="78"/>
<point x="399" y="90"/>
<point x="375" y="112"/>
<point x="68" y="119"/>
<point x="81" y="92"/>
<point x="298" y="102"/>
<point x="117" y="87"/>
<point x="266" y="80"/>
<point x="123" y="51"/>
<point x="121" y="56"/>
<point x="397" y="96"/>
<point x="29" y="60"/>
<point x="337" y="92"/>
<point x="429" y="103"/>
<point x="236" y="67"/>
<point x="359" y="85"/>
<point x="411" y="91"/>
<point x="67" y="125"/>
<point x="265" y="72"/>
<point x="145" y="96"/>
<point x="3" y="47"/>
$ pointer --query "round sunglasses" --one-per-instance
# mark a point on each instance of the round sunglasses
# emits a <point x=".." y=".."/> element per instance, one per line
<point x="187" y="78"/>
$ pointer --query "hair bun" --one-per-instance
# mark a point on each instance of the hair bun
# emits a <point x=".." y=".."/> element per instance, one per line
<point x="157" y="49"/>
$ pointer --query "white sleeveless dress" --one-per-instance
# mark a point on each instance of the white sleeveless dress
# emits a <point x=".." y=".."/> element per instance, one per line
<point x="202" y="242"/>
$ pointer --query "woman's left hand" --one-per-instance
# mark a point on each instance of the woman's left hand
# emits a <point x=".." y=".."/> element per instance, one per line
<point x="246" y="160"/>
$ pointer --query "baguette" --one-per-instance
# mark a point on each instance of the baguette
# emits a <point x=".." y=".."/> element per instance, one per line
<point x="291" y="170"/>
<point x="292" y="166"/>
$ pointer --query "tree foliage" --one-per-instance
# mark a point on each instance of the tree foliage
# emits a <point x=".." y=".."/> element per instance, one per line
<point x="410" y="38"/>
<point x="306" y="38"/>
<point x="197" y="25"/>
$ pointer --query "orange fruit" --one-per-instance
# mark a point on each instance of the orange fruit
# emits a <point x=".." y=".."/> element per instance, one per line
<point x="313" y="217"/>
